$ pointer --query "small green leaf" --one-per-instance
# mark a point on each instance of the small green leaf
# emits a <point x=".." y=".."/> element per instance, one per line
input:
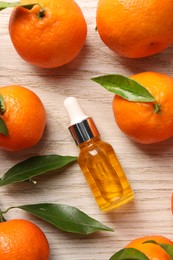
<point x="125" y="87"/>
<point x="2" y="105"/>
<point x="150" y="241"/>
<point x="66" y="218"/>
<point x="167" y="247"/>
<point x="34" y="166"/>
<point x="129" y="254"/>
<point x="3" y="127"/>
<point x="4" y="5"/>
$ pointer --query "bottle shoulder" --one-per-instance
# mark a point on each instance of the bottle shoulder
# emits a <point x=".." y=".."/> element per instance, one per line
<point x="94" y="142"/>
<point x="96" y="145"/>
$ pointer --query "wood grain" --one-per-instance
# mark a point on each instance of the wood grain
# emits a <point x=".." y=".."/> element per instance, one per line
<point x="148" y="167"/>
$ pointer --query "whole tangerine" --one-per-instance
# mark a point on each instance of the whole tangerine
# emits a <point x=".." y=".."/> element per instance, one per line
<point x="135" y="29"/>
<point x="22" y="239"/>
<point x="24" y="117"/>
<point x="151" y="250"/>
<point x="49" y="35"/>
<point x="139" y="120"/>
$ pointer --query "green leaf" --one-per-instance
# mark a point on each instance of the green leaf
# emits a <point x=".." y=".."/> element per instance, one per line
<point x="4" y="5"/>
<point x="66" y="218"/>
<point x="3" y="127"/>
<point x="34" y="166"/>
<point x="129" y="254"/>
<point x="150" y="241"/>
<point x="167" y="247"/>
<point x="125" y="87"/>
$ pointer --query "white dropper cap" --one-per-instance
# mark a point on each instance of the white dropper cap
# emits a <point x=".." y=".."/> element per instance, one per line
<point x="74" y="110"/>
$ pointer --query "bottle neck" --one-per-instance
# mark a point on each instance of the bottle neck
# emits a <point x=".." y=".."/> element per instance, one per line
<point x="84" y="131"/>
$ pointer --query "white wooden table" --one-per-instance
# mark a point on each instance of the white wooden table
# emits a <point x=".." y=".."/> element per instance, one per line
<point x="149" y="168"/>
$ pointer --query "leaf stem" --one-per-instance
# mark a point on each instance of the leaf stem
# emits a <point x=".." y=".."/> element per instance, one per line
<point x="5" y="211"/>
<point x="2" y="219"/>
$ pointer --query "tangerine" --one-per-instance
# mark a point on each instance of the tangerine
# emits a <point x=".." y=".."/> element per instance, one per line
<point x="21" y="239"/>
<point x="135" y="29"/>
<point x="151" y="250"/>
<point x="24" y="116"/>
<point x="48" y="36"/>
<point x="139" y="120"/>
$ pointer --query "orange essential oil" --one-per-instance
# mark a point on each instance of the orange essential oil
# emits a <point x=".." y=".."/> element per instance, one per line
<point x="98" y="161"/>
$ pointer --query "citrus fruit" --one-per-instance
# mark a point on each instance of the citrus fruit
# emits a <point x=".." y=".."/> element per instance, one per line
<point x="22" y="240"/>
<point x="151" y="250"/>
<point x="49" y="35"/>
<point x="139" y="120"/>
<point x="24" y="116"/>
<point x="135" y="29"/>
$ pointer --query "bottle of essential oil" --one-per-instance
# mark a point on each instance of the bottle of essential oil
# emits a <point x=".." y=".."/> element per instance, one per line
<point x="97" y="160"/>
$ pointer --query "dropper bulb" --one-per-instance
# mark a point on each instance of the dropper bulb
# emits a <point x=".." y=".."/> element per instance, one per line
<point x="74" y="110"/>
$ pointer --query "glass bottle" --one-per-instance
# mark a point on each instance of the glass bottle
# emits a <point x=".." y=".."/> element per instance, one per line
<point x="97" y="160"/>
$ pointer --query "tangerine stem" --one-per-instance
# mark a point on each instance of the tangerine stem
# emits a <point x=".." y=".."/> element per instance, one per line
<point x="41" y="14"/>
<point x="2" y="105"/>
<point x="157" y="108"/>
